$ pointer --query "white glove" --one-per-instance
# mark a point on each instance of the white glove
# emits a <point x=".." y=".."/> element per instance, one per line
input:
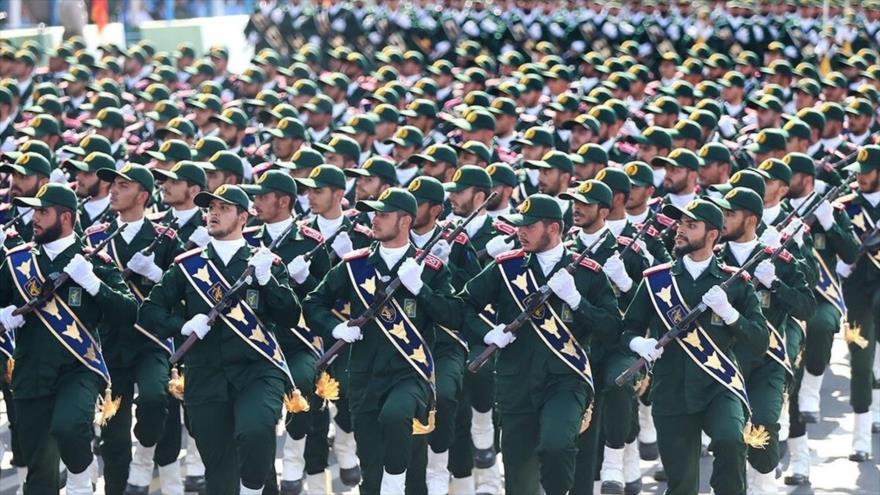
<point x="82" y="272"/>
<point x="198" y="324"/>
<point x="8" y="320"/>
<point x="562" y="284"/>
<point x="771" y="237"/>
<point x="716" y="299"/>
<point x="200" y="237"/>
<point x="499" y="337"/>
<point x="795" y="226"/>
<point x="58" y="176"/>
<point x="146" y="266"/>
<point x="299" y="269"/>
<point x="843" y="270"/>
<point x="766" y="273"/>
<point x="262" y="263"/>
<point x="442" y="249"/>
<point x="646" y="348"/>
<point x="349" y="334"/>
<point x="342" y="244"/>
<point x="2" y="237"/>
<point x="498" y="245"/>
<point x="825" y="215"/>
<point x="616" y="272"/>
<point x="410" y="274"/>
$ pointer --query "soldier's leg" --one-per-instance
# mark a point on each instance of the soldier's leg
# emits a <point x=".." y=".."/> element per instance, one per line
<point x="817" y="354"/>
<point x="518" y="451"/>
<point x="798" y="449"/>
<point x="152" y="401"/>
<point x="461" y="455"/>
<point x="724" y="421"/>
<point x="481" y="392"/>
<point x="678" y="440"/>
<point x="588" y="448"/>
<point x="168" y="448"/>
<point x="765" y="388"/>
<point x="298" y="425"/>
<point x="407" y="400"/>
<point x="212" y="424"/>
<point x="449" y="370"/>
<point x="72" y="426"/>
<point x="116" y="436"/>
<point x="364" y="416"/>
<point x="559" y="422"/>
<point x="861" y="376"/>
<point x="257" y="408"/>
<point x="344" y="444"/>
<point x="39" y="451"/>
<point x="619" y="404"/>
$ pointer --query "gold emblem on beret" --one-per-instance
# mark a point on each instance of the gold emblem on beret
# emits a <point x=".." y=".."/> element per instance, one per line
<point x="262" y="178"/>
<point x="762" y="136"/>
<point x="731" y="194"/>
<point x="491" y="169"/>
<point x="675" y="154"/>
<point x="601" y="175"/>
<point x="126" y="169"/>
<point x="692" y="205"/>
<point x="530" y="133"/>
<point x="630" y="169"/>
<point x="472" y="117"/>
<point x="863" y="155"/>
<point x="457" y="176"/>
<point x="415" y="185"/>
<point x="36" y="121"/>
<point x="43" y="189"/>
<point x="734" y="179"/>
<point x="585" y="187"/>
<point x="766" y="165"/>
<point x="221" y="190"/>
<point x="177" y="167"/>
<point x="525" y="206"/>
<point x="165" y="147"/>
<point x="315" y="172"/>
<point x="704" y="152"/>
<point x="385" y="194"/>
<point x="23" y="159"/>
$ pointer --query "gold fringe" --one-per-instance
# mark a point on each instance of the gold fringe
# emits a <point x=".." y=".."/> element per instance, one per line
<point x="852" y="334"/>
<point x="587" y="419"/>
<point x="756" y="436"/>
<point x="294" y="402"/>
<point x="419" y="428"/>
<point x="10" y="366"/>
<point x="327" y="387"/>
<point x="176" y="384"/>
<point x="107" y="407"/>
<point x="641" y="386"/>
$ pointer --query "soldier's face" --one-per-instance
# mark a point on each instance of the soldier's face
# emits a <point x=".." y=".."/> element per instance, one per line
<point x="774" y="191"/>
<point x="580" y="136"/>
<point x="367" y="188"/>
<point x="586" y="216"/>
<point x="858" y="124"/>
<point x="537" y="237"/>
<point x="401" y="153"/>
<point x="439" y="170"/>
<point x="387" y="226"/>
<point x="639" y="196"/>
<point x="224" y="219"/>
<point x="323" y="199"/>
<point x="712" y="173"/>
<point x="426" y="214"/>
<point x="175" y="192"/>
<point x="464" y="201"/>
<point x="533" y="152"/>
<point x="677" y="180"/>
<point x="734" y="225"/>
<point x="23" y="186"/>
<point x="869" y="182"/>
<point x="125" y="195"/>
<point x="228" y="133"/>
<point x="647" y="152"/>
<point x="690" y="236"/>
<point x="553" y="181"/>
<point x="47" y="225"/>
<point x="87" y="184"/>
<point x="268" y="207"/>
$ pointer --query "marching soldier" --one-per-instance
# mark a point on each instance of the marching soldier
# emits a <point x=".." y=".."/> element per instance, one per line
<point x="236" y="377"/>
<point x="27" y="175"/>
<point x="88" y="185"/>
<point x="179" y="187"/>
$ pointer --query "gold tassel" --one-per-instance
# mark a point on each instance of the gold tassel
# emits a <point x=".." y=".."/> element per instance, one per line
<point x="294" y="402"/>
<point x="853" y="335"/>
<point x="587" y="419"/>
<point x="10" y="366"/>
<point x="419" y="428"/>
<point x="176" y="384"/>
<point x="107" y="407"/>
<point x="756" y="436"/>
<point x="327" y="387"/>
<point x="641" y="386"/>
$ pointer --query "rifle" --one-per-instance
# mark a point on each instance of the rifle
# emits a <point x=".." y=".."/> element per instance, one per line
<point x="126" y="274"/>
<point x="57" y="280"/>
<point x="641" y="233"/>
<point x="533" y="302"/>
<point x="228" y="299"/>
<point x="329" y="240"/>
<point x="20" y="214"/>
<point x="392" y="287"/>
<point x="509" y="237"/>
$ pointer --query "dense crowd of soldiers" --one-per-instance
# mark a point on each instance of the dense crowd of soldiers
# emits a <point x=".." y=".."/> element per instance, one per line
<point x="575" y="234"/>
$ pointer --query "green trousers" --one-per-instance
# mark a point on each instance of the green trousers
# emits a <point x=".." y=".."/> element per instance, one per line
<point x="14" y="444"/>
<point x="862" y="313"/>
<point x="236" y="438"/>
<point x="765" y="385"/>
<point x="382" y="417"/>
<point x="150" y="374"/>
<point x="678" y="439"/>
<point x="58" y="426"/>
<point x="588" y="448"/>
<point x="820" y="335"/>
<point x="478" y="392"/>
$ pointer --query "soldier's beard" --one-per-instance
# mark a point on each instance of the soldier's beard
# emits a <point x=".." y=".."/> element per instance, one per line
<point x="691" y="246"/>
<point x="49" y="234"/>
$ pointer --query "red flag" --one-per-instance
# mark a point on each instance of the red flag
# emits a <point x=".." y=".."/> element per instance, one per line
<point x="100" y="14"/>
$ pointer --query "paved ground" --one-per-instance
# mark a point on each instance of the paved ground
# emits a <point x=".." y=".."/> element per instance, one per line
<point x="832" y="472"/>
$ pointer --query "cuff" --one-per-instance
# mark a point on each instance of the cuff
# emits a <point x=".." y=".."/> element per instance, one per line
<point x="92" y="285"/>
<point x="732" y="317"/>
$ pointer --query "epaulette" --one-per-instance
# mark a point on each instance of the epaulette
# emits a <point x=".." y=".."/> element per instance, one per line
<point x="186" y="254"/>
<point x="508" y="255"/>
<point x="591" y="264"/>
<point x="101" y="227"/>
<point x="626" y="241"/>
<point x="651" y="232"/>
<point x="784" y="255"/>
<point x="431" y="261"/>
<point x="461" y="238"/>
<point x="313" y="234"/>
<point x="665" y="220"/>
<point x="357" y="253"/>
<point x="504" y="227"/>
<point x="732" y="269"/>
<point x="164" y="230"/>
<point x="657" y="268"/>
<point x="101" y="255"/>
<point x="363" y="229"/>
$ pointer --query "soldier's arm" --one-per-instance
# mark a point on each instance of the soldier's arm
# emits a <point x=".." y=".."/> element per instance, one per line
<point x="638" y="316"/>
<point x="282" y="304"/>
<point x="318" y="305"/>
<point x="751" y="326"/>
<point x="598" y="311"/>
<point x="635" y="264"/>
<point x="113" y="296"/>
<point x="841" y="237"/>
<point x="7" y="291"/>
<point x="157" y="313"/>
<point x="481" y="290"/>
<point x="437" y="300"/>
<point x="793" y="289"/>
<point x="320" y="266"/>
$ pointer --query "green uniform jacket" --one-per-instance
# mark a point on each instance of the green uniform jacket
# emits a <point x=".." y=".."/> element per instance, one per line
<point x="187" y="229"/>
<point x="222" y="357"/>
<point x="859" y="287"/>
<point x="39" y="357"/>
<point x="679" y="385"/>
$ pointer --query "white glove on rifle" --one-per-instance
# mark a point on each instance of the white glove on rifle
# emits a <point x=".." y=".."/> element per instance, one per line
<point x="342" y="244"/>
<point x="200" y="237"/>
<point x="499" y="337"/>
<point x="82" y="272"/>
<point x="8" y="320"/>
<point x="498" y="245"/>
<point x="146" y="266"/>
<point x="766" y="273"/>
<point x="262" y="263"/>
<point x="616" y="272"/>
<point x="442" y="250"/>
<point x="299" y="269"/>
<point x="198" y="325"/>
<point x="410" y="274"/>
<point x="646" y="348"/>
<point x="717" y="301"/>
<point x="562" y="284"/>
<point x="771" y="237"/>
<point x="346" y="333"/>
<point x="795" y="228"/>
<point x="825" y="215"/>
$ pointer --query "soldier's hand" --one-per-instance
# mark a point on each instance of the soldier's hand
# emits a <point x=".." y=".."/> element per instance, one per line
<point x="200" y="237"/>
<point x="58" y="176"/>
<point x="8" y="320"/>
<point x="198" y="325"/>
<point x="349" y="334"/>
<point x="442" y="249"/>
<point x="717" y="301"/>
<point x="499" y="337"/>
<point x="262" y="263"/>
<point x="795" y="228"/>
<point x="766" y="273"/>
<point x="843" y="270"/>
<point x="646" y="348"/>
<point x="825" y="215"/>
<point x="498" y="245"/>
<point x="82" y="272"/>
<point x="771" y="237"/>
<point x="616" y="272"/>
<point x="342" y="244"/>
<point x="410" y="274"/>
<point x="299" y="269"/>
<point x="562" y="284"/>
<point x="146" y="266"/>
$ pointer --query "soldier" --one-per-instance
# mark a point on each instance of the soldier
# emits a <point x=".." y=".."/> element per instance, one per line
<point x="88" y="185"/>
<point x="545" y="401"/>
<point x="60" y="369"/>
<point x="391" y="371"/>
<point x="236" y="376"/>
<point x="688" y="395"/>
<point x="179" y="187"/>
<point x="28" y="174"/>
